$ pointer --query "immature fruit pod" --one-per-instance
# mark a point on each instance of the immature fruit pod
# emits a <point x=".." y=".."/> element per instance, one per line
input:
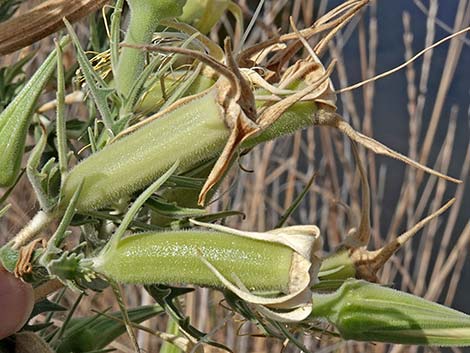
<point x="366" y="311"/>
<point x="15" y="119"/>
<point x="284" y="260"/>
<point x="175" y="258"/>
<point x="190" y="131"/>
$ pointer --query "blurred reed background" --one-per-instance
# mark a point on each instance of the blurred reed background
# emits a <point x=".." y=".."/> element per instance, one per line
<point x="422" y="111"/>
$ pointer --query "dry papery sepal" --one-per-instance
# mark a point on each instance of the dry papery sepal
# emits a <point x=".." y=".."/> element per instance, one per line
<point x="235" y="90"/>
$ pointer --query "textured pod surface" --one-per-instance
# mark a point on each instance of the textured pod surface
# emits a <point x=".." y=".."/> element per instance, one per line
<point x="192" y="132"/>
<point x="175" y="258"/>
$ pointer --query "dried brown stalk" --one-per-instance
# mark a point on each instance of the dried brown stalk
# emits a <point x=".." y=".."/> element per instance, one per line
<point x="41" y="21"/>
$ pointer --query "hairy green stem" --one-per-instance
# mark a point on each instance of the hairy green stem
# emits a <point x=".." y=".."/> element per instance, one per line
<point x="144" y="19"/>
<point x="38" y="223"/>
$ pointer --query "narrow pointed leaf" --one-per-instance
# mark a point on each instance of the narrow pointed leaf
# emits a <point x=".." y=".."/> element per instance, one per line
<point x="93" y="333"/>
<point x="98" y="88"/>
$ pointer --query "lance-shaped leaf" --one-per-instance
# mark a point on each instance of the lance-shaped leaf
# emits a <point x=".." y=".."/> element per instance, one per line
<point x="94" y="333"/>
<point x="97" y="86"/>
<point x="365" y="311"/>
<point x="15" y="120"/>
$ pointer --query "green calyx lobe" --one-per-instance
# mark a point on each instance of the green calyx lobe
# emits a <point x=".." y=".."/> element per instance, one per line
<point x="175" y="258"/>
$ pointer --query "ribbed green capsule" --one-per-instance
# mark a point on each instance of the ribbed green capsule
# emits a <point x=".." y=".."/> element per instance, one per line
<point x="364" y="311"/>
<point x="190" y="131"/>
<point x="15" y="120"/>
<point x="176" y="258"/>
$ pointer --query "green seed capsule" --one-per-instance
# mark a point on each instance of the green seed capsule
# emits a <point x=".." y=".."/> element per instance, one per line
<point x="15" y="120"/>
<point x="365" y="311"/>
<point x="192" y="132"/>
<point x="175" y="258"/>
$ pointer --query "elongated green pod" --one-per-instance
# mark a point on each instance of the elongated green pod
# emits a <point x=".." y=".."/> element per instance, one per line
<point x="365" y="311"/>
<point x="282" y="261"/>
<point x="15" y="120"/>
<point x="175" y="258"/>
<point x="191" y="131"/>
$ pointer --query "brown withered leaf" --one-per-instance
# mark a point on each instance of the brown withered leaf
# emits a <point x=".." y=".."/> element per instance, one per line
<point x="41" y="21"/>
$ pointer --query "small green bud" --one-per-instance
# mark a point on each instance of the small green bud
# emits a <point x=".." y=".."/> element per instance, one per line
<point x="365" y="311"/>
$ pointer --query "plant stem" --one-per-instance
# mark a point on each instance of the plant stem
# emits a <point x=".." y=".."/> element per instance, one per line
<point x="131" y="61"/>
<point x="144" y="19"/>
<point x="38" y="223"/>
